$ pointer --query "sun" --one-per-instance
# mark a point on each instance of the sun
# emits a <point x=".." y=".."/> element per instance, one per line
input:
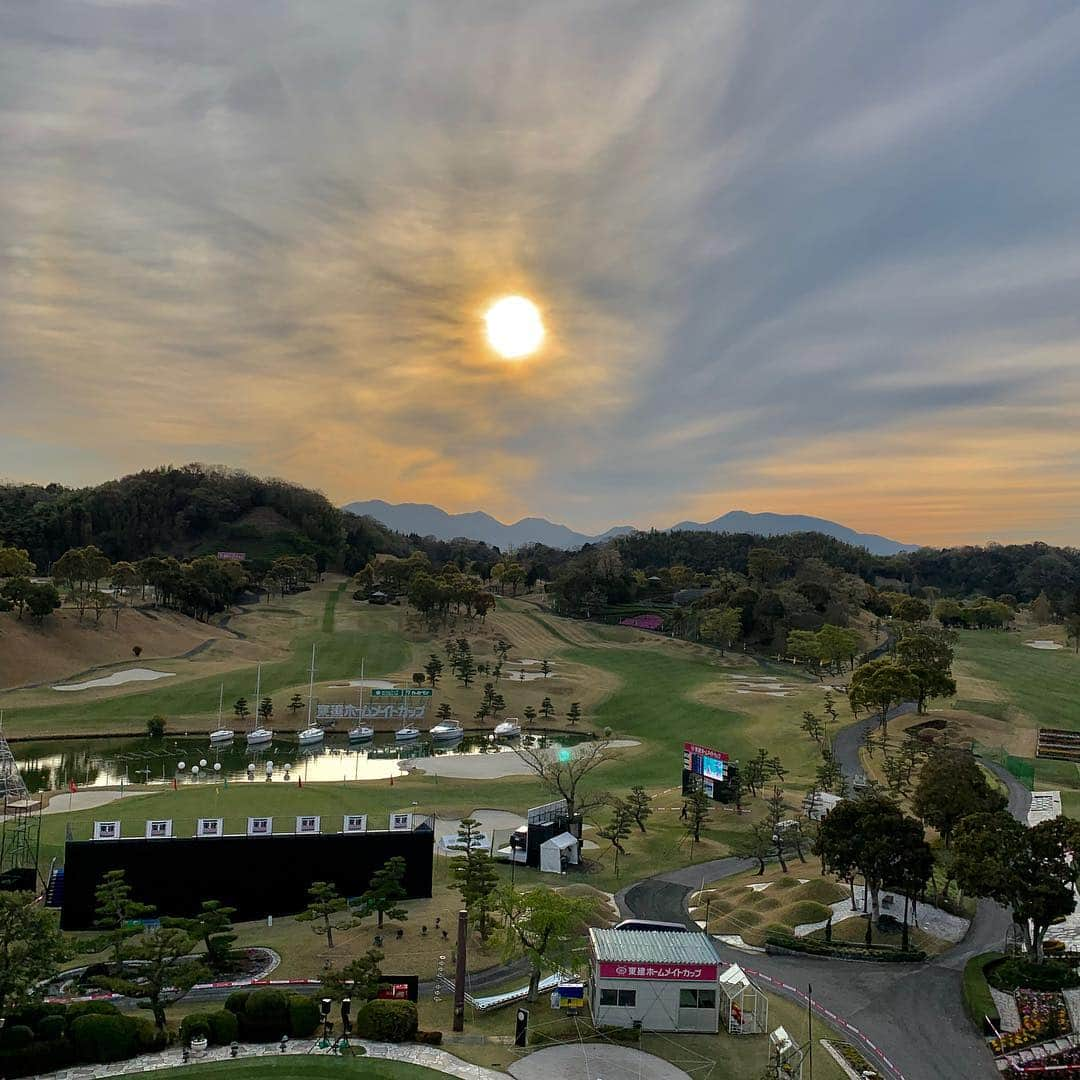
<point x="514" y="327"/>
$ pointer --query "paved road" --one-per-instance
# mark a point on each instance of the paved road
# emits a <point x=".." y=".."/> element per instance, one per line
<point x="591" y="1061"/>
<point x="914" y="1013"/>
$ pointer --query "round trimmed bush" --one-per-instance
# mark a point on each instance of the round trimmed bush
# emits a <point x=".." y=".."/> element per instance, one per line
<point x="1019" y="973"/>
<point x="785" y="883"/>
<point x="775" y="928"/>
<point x="266" y="1016"/>
<point x="148" y="1036"/>
<point x="386" y="1020"/>
<point x="304" y="1016"/>
<point x="90" y="1008"/>
<point x="824" y="892"/>
<point x="101" y="1038"/>
<point x="224" y="1027"/>
<point x="18" y="1036"/>
<point x="806" y="911"/>
<point x="765" y="902"/>
<point x="237" y="1001"/>
<point x="51" y="1027"/>
<point x="194" y="1026"/>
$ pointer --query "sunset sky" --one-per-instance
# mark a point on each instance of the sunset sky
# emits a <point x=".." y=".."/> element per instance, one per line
<point x="801" y="257"/>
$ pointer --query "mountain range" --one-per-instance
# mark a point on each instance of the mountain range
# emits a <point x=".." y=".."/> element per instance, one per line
<point x="427" y="520"/>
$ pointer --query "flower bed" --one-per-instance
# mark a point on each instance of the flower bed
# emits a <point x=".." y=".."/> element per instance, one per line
<point x="1069" y="1057"/>
<point x="1042" y="1016"/>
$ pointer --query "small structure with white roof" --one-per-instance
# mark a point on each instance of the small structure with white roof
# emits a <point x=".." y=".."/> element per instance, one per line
<point x="658" y="979"/>
<point x="744" y="1006"/>
<point x="559" y="852"/>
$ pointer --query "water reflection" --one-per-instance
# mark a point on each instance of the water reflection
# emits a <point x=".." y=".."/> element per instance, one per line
<point x="53" y="765"/>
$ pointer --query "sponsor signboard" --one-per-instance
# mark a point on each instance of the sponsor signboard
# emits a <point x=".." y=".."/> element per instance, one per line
<point x="398" y="692"/>
<point x="674" y="972"/>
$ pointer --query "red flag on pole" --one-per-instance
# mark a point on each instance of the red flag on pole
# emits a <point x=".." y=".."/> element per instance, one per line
<point x="174" y="787"/>
<point x="72" y="787"/>
<point x="299" y="782"/>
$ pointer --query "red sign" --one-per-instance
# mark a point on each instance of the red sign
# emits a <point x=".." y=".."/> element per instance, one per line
<point x="394" y="991"/>
<point x="675" y="972"/>
<point x="703" y="751"/>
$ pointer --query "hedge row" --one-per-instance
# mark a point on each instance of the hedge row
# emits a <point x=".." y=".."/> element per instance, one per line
<point x="845" y="951"/>
<point x="265" y="1015"/>
<point x="977" y="998"/>
<point x="42" y="1038"/>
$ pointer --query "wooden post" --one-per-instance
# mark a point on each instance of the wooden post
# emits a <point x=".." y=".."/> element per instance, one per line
<point x="459" y="979"/>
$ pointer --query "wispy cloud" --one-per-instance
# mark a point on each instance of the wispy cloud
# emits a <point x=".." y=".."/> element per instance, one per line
<point x="802" y="258"/>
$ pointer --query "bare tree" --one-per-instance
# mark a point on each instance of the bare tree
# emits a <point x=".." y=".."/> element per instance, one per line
<point x="562" y="772"/>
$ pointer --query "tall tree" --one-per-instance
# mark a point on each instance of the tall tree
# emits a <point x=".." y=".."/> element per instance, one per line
<point x="640" y="805"/>
<point x="213" y="927"/>
<point x="385" y="891"/>
<point x="698" y="808"/>
<point x="31" y="948"/>
<point x="165" y="971"/>
<point x="434" y="669"/>
<point x="617" y="828"/>
<point x="952" y="787"/>
<point x="563" y="772"/>
<point x="547" y="710"/>
<point x="881" y="684"/>
<point x="573" y="714"/>
<point x="358" y="979"/>
<point x="473" y="874"/>
<point x="324" y="902"/>
<point x="929" y="659"/>
<point x="545" y="927"/>
<point x="115" y="912"/>
<point x="721" y="627"/>
<point x="1031" y="870"/>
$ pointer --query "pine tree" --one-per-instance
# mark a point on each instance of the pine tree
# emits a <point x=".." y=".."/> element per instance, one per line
<point x="573" y="714"/>
<point x="324" y="901"/>
<point x="296" y="703"/>
<point x="240" y="707"/>
<point x="617" y="829"/>
<point x="115" y="911"/>
<point x="434" y="669"/>
<point x="547" y="710"/>
<point x="474" y="875"/>
<point x="640" y="805"/>
<point x="385" y="890"/>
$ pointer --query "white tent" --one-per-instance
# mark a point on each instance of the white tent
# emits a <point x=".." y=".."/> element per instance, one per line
<point x="558" y="853"/>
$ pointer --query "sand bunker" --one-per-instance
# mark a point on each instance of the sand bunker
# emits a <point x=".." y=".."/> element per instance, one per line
<point x="118" y="678"/>
<point x="370" y="684"/>
<point x="525" y="676"/>
<point x="1041" y="644"/>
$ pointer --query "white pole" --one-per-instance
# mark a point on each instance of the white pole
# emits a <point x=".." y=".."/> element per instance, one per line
<point x="220" y="702"/>
<point x="311" y="684"/>
<point x="258" y="683"/>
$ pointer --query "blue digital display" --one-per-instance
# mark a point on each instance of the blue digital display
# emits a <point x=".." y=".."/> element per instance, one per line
<point x="712" y="768"/>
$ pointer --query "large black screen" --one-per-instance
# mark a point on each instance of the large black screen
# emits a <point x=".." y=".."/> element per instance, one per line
<point x="259" y="876"/>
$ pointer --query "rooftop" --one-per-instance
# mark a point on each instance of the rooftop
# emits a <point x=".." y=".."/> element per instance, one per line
<point x="652" y="946"/>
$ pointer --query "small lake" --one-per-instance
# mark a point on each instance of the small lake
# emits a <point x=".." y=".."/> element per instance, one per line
<point x="53" y="764"/>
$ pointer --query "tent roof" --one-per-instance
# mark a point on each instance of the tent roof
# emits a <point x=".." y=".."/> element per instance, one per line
<point x="563" y="840"/>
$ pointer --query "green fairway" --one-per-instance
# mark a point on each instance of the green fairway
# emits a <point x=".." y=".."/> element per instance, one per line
<point x="320" y="1067"/>
<point x="1001" y="677"/>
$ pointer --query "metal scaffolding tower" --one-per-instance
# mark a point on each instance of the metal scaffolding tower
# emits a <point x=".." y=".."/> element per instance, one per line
<point x="20" y="836"/>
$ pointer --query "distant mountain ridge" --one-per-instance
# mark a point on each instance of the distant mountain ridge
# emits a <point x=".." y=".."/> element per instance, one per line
<point x="427" y="520"/>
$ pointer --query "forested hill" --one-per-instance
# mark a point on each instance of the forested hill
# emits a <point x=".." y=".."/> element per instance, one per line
<point x="186" y="511"/>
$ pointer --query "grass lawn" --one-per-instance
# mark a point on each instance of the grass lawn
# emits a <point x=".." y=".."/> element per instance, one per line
<point x="321" y="1067"/>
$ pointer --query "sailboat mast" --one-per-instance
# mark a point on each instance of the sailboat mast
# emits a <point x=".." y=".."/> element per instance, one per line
<point x="311" y="684"/>
<point x="220" y="702"/>
<point x="258" y="683"/>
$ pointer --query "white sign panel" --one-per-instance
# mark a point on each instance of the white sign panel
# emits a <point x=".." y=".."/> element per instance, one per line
<point x="307" y="824"/>
<point x="260" y="826"/>
<point x="210" y="826"/>
<point x="106" y="830"/>
<point x="158" y="830"/>
<point x="401" y="822"/>
<point x="354" y="823"/>
<point x="384" y="711"/>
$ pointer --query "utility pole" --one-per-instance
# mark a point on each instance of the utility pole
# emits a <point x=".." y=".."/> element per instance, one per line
<point x="459" y="979"/>
<point x="810" y="1030"/>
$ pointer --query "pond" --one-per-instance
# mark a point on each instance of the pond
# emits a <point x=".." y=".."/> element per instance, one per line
<point x="51" y="765"/>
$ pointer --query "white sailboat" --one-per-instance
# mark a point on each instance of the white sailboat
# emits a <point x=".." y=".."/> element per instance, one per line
<point x="221" y="734"/>
<point x="312" y="733"/>
<point x="362" y="732"/>
<point x="406" y="733"/>
<point x="258" y="735"/>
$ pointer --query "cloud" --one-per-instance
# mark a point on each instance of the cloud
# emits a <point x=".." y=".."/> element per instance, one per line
<point x="265" y="234"/>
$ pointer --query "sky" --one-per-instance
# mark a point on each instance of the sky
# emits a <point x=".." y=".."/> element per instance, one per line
<point x="795" y="257"/>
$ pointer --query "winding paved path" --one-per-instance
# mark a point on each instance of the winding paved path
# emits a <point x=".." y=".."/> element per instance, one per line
<point x="913" y="1014"/>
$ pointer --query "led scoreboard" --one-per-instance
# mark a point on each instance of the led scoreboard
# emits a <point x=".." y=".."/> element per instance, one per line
<point x="704" y="767"/>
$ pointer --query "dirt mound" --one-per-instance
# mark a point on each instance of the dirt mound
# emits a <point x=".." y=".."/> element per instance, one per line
<point x="62" y="648"/>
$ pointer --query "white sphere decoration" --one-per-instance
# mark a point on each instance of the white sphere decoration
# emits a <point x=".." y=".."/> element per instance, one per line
<point x="202" y="763"/>
<point x="195" y="770"/>
<point x="180" y="766"/>
<point x="287" y="766"/>
<point x="217" y="766"/>
<point x="491" y="738"/>
<point x="251" y="766"/>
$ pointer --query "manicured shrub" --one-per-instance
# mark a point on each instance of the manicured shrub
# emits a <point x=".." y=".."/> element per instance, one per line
<point x="37" y="1059"/>
<point x="304" y="1016"/>
<point x="236" y="1002"/>
<point x="100" y="1038"/>
<point x="431" y="1038"/>
<point x="776" y="928"/>
<point x="844" y="950"/>
<point x="266" y="1016"/>
<point x="18" y="1036"/>
<point x="51" y="1027"/>
<point x="806" y="911"/>
<point x="89" y="1008"/>
<point x="1016" y="972"/>
<point x="148" y="1036"/>
<point x="224" y="1027"/>
<point x="785" y="883"/>
<point x="977" y="997"/>
<point x="386" y="1020"/>
<point x="194" y="1026"/>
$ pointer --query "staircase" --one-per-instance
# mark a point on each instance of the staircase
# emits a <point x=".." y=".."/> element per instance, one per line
<point x="54" y="891"/>
<point x="1032" y="1055"/>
